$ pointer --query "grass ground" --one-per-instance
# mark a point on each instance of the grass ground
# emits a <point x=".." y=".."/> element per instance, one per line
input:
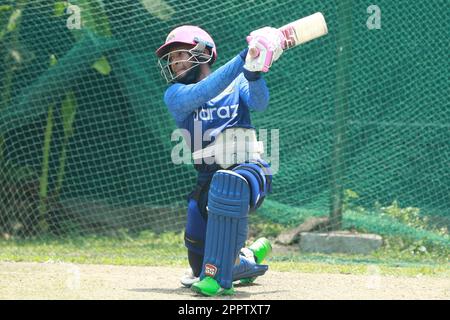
<point x="149" y="249"/>
<point x="410" y="247"/>
<point x="148" y="266"/>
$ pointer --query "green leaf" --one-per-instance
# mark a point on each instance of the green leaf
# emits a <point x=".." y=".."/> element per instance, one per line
<point x="5" y="7"/>
<point x="68" y="108"/>
<point x="159" y="9"/>
<point x="43" y="180"/>
<point x="94" y="17"/>
<point x="2" y="149"/>
<point x="53" y="60"/>
<point x="60" y="8"/>
<point x="43" y="185"/>
<point x="13" y="19"/>
<point x="102" y="66"/>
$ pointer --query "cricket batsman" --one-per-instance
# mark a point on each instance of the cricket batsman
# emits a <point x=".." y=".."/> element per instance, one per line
<point x="233" y="179"/>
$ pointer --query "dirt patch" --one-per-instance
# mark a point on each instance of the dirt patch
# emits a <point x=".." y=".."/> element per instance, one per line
<point x="77" y="281"/>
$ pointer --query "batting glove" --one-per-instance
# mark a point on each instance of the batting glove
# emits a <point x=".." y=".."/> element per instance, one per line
<point x="265" y="46"/>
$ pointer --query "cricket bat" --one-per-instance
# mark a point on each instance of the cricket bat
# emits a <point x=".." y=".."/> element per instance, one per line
<point x="300" y="31"/>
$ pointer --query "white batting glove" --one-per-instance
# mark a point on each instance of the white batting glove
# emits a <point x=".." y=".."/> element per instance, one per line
<point x="265" y="46"/>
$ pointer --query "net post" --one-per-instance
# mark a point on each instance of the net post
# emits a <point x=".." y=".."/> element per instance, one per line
<point x="343" y="87"/>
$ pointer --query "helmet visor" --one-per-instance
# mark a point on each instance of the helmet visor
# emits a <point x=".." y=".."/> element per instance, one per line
<point x="196" y="55"/>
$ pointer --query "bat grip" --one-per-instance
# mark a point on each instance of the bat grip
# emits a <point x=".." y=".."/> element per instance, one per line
<point x="253" y="52"/>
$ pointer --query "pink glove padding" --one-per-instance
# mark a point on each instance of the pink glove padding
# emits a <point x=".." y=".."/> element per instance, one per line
<point x="265" y="46"/>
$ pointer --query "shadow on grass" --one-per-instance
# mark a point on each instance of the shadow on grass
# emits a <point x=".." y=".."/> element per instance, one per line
<point x="182" y="291"/>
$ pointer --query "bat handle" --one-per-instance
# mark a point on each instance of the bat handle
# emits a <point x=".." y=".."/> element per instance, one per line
<point x="253" y="52"/>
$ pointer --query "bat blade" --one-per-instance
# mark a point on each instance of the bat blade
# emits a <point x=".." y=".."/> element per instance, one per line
<point x="300" y="32"/>
<point x="304" y="30"/>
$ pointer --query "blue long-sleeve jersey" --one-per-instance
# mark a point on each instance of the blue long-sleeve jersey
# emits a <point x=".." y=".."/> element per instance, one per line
<point x="222" y="100"/>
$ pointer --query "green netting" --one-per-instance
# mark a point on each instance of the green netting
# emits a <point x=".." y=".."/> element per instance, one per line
<point x="85" y="137"/>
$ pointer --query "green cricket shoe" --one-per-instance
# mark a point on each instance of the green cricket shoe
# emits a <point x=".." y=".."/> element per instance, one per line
<point x="211" y="288"/>
<point x="261" y="248"/>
